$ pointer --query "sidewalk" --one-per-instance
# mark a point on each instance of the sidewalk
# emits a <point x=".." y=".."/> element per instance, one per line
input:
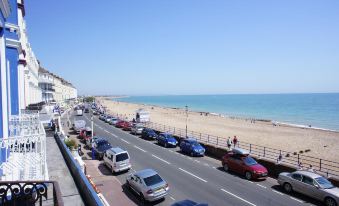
<point x="58" y="171"/>
<point x="108" y="185"/>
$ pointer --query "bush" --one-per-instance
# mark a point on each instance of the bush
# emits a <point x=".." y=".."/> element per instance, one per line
<point x="70" y="143"/>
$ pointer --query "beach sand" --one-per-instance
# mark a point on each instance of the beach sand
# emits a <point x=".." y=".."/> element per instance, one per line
<point x="323" y="144"/>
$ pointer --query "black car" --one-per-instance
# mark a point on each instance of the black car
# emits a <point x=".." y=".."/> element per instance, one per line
<point x="100" y="148"/>
<point x="149" y="134"/>
<point x="86" y="110"/>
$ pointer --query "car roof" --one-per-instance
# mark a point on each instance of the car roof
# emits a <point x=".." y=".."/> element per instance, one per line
<point x="117" y="150"/>
<point x="146" y="173"/>
<point x="240" y="151"/>
<point x="191" y="140"/>
<point x="166" y="134"/>
<point x="307" y="173"/>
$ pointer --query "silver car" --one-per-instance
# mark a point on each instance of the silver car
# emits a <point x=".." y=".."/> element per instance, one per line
<point x="137" y="129"/>
<point x="310" y="184"/>
<point x="148" y="185"/>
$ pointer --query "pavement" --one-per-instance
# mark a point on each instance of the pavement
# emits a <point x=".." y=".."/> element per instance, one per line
<point x="201" y="179"/>
<point x="58" y="171"/>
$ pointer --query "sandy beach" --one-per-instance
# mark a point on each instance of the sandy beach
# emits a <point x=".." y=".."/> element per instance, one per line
<point x="323" y="144"/>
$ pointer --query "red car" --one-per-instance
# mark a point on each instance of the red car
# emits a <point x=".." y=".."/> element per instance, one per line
<point x="241" y="162"/>
<point x="86" y="133"/>
<point x="120" y="123"/>
<point x="127" y="126"/>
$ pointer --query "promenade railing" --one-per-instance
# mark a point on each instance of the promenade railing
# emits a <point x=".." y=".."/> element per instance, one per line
<point x="326" y="167"/>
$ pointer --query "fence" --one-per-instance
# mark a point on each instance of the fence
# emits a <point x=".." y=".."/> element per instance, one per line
<point x="327" y="167"/>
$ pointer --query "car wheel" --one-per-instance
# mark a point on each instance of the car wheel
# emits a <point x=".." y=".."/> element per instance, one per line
<point x="112" y="170"/>
<point x="192" y="154"/>
<point x="288" y="187"/>
<point x="142" y="198"/>
<point x="330" y="202"/>
<point x="226" y="167"/>
<point x="248" y="175"/>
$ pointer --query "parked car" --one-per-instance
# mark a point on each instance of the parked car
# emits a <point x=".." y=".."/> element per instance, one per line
<point x="89" y="141"/>
<point x="100" y="147"/>
<point x="117" y="159"/>
<point x="102" y="117"/>
<point x="188" y="203"/>
<point x="113" y="121"/>
<point x="167" y="140"/>
<point x="86" y="110"/>
<point x="149" y="134"/>
<point x="192" y="147"/>
<point x="78" y="125"/>
<point x="79" y="112"/>
<point x="85" y="133"/>
<point x="127" y="126"/>
<point x="107" y="118"/>
<point x="148" y="185"/>
<point x="137" y="129"/>
<point x="239" y="161"/>
<point x="95" y="112"/>
<point x="310" y="184"/>
<point x="120" y="123"/>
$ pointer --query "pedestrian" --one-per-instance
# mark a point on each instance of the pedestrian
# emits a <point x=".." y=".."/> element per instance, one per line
<point x="311" y="169"/>
<point x="229" y="143"/>
<point x="279" y="159"/>
<point x="235" y="141"/>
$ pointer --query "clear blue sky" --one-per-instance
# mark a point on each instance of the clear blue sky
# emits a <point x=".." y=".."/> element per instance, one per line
<point x="154" y="47"/>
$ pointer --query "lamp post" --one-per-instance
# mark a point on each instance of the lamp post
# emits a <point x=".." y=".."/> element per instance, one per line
<point x="186" y="109"/>
<point x="92" y="143"/>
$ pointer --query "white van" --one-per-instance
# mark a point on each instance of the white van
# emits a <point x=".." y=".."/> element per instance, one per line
<point x="79" y="112"/>
<point x="117" y="159"/>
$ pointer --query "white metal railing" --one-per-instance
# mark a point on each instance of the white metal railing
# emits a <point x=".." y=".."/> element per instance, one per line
<point x="24" y="149"/>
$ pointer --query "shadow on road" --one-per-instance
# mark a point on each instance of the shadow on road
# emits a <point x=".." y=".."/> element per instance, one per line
<point x="238" y="175"/>
<point x="299" y="196"/>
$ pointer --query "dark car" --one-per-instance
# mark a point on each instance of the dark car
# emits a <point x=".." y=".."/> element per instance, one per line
<point x="167" y="140"/>
<point x="86" y="110"/>
<point x="192" y="147"/>
<point x="241" y="162"/>
<point x="149" y="134"/>
<point x="100" y="147"/>
<point x="188" y="203"/>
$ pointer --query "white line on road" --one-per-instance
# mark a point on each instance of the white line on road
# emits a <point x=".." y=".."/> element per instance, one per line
<point x="262" y="186"/>
<point x="237" y="197"/>
<point x="161" y="159"/>
<point x="197" y="161"/>
<point x="113" y="135"/>
<point x="192" y="175"/>
<point x="125" y="141"/>
<point x="172" y="198"/>
<point x="139" y="148"/>
<point x="296" y="199"/>
<point x="206" y="164"/>
<point x="278" y="192"/>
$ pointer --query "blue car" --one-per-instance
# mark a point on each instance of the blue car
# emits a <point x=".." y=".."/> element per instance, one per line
<point x="167" y="140"/>
<point x="192" y="147"/>
<point x="100" y="147"/>
<point x="188" y="203"/>
<point x="149" y="134"/>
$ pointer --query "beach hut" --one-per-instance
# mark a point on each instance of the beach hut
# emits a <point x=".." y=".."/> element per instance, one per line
<point x="142" y="115"/>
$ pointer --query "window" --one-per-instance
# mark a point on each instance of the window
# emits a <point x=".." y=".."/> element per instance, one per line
<point x="307" y="180"/>
<point x="297" y="177"/>
<point x="121" y="157"/>
<point x="153" y="180"/>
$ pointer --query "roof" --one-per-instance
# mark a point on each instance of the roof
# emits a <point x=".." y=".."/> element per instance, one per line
<point x="240" y="151"/>
<point x="117" y="150"/>
<point x="308" y="173"/>
<point x="146" y="173"/>
<point x="190" y="140"/>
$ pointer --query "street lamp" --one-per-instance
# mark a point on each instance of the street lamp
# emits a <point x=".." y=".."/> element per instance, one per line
<point x="186" y="118"/>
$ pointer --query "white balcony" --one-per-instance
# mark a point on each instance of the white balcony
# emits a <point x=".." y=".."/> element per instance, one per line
<point x="24" y="149"/>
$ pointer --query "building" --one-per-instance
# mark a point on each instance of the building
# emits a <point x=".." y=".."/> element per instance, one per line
<point x="55" y="88"/>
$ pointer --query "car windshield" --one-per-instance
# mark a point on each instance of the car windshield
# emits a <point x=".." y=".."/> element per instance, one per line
<point x="103" y="142"/>
<point x="121" y="157"/>
<point x="249" y="161"/>
<point x="324" y="183"/>
<point x="195" y="144"/>
<point x="152" y="180"/>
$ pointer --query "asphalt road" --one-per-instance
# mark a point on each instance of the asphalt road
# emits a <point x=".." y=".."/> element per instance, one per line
<point x="197" y="178"/>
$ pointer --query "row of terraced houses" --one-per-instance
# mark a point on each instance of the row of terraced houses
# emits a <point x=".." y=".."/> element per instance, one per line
<point x="23" y="83"/>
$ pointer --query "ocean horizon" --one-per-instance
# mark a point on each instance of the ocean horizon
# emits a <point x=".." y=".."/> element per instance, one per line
<point x="320" y="110"/>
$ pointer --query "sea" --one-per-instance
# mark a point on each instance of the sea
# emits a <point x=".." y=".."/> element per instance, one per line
<point x="319" y="110"/>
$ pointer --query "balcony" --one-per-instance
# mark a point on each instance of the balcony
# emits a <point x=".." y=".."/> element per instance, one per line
<point x="23" y="153"/>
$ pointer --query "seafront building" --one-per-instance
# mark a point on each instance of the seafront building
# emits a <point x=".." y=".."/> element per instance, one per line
<point x="22" y="135"/>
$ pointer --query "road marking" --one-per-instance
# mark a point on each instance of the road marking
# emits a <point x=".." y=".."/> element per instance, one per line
<point x="139" y="148"/>
<point x="296" y="199"/>
<point x="214" y="167"/>
<point x="262" y="186"/>
<point x="125" y="141"/>
<point x="160" y="159"/>
<point x="237" y="197"/>
<point x="206" y="164"/>
<point x="278" y="192"/>
<point x="192" y="175"/>
<point x="171" y="151"/>
<point x="197" y="161"/>
<point x="113" y="135"/>
<point x="172" y="198"/>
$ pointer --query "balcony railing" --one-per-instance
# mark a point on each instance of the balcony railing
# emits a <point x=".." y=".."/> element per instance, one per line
<point x="30" y="193"/>
<point x="24" y="151"/>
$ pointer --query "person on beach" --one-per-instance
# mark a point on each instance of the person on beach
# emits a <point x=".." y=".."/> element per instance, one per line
<point x="311" y="169"/>
<point x="279" y="159"/>
<point x="300" y="166"/>
<point x="235" y="141"/>
<point x="229" y="143"/>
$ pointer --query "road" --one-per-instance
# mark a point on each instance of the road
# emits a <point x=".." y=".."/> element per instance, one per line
<point x="197" y="178"/>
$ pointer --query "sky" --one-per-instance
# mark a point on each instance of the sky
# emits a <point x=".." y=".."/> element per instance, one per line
<point x="166" y="47"/>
